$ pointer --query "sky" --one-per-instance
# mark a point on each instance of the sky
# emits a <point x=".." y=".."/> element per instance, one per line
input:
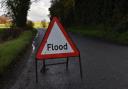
<point x="38" y="10"/>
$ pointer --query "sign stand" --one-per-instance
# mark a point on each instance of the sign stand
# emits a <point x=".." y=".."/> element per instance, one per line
<point x="80" y="65"/>
<point x="36" y="71"/>
<point x="56" y="44"/>
<point x="67" y="63"/>
<point x="43" y="69"/>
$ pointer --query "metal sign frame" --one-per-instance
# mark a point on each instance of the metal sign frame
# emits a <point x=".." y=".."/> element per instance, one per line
<point x="67" y="63"/>
<point x="54" y="56"/>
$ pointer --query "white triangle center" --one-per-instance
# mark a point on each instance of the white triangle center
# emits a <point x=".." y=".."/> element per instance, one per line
<point x="56" y="42"/>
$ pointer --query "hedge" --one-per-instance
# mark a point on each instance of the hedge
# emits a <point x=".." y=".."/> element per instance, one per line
<point x="10" y="50"/>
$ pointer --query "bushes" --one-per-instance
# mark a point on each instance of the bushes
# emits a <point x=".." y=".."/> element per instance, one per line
<point x="30" y="25"/>
<point x="121" y="27"/>
<point x="100" y="33"/>
<point x="10" y="33"/>
<point x="10" y="50"/>
<point x="1" y="33"/>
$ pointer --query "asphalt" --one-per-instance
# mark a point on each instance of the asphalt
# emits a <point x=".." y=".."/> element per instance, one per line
<point x="105" y="66"/>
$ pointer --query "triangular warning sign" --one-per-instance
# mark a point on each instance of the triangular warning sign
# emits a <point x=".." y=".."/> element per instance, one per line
<point x="56" y="43"/>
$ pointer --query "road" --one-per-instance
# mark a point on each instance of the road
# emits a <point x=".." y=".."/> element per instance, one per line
<point x="105" y="66"/>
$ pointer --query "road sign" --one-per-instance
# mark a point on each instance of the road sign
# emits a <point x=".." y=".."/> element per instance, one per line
<point x="56" y="43"/>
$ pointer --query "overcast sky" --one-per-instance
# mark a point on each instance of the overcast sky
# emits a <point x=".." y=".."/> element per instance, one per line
<point x="38" y="11"/>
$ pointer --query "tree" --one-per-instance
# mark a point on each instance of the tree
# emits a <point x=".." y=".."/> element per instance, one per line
<point x="62" y="9"/>
<point x="90" y="12"/>
<point x="18" y="10"/>
<point x="43" y="23"/>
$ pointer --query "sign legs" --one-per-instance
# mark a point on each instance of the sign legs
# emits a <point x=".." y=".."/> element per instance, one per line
<point x="67" y="64"/>
<point x="36" y="71"/>
<point x="80" y="67"/>
<point x="44" y="66"/>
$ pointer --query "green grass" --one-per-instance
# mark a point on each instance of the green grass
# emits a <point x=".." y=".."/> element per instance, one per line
<point x="101" y="33"/>
<point x="1" y="29"/>
<point x="10" y="50"/>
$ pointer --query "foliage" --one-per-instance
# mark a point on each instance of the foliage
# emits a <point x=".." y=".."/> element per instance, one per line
<point x="44" y="24"/>
<point x="17" y="10"/>
<point x="90" y="12"/>
<point x="10" y="50"/>
<point x="62" y="9"/>
<point x="8" y="34"/>
<point x="98" y="32"/>
<point x="30" y="25"/>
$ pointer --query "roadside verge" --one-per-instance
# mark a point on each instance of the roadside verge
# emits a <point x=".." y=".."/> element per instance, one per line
<point x="12" y="50"/>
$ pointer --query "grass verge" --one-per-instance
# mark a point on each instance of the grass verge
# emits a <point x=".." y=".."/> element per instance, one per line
<point x="10" y="50"/>
<point x="99" y="32"/>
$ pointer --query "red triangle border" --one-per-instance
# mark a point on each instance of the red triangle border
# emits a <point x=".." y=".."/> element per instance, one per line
<point x="59" y="55"/>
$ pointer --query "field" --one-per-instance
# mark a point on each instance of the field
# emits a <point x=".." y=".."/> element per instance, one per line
<point x="36" y="25"/>
<point x="40" y="25"/>
<point x="4" y="26"/>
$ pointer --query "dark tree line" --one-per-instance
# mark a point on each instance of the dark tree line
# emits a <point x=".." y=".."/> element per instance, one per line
<point x="90" y="12"/>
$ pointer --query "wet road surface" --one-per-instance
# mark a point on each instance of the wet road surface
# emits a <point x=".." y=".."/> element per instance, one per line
<point x="105" y="66"/>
